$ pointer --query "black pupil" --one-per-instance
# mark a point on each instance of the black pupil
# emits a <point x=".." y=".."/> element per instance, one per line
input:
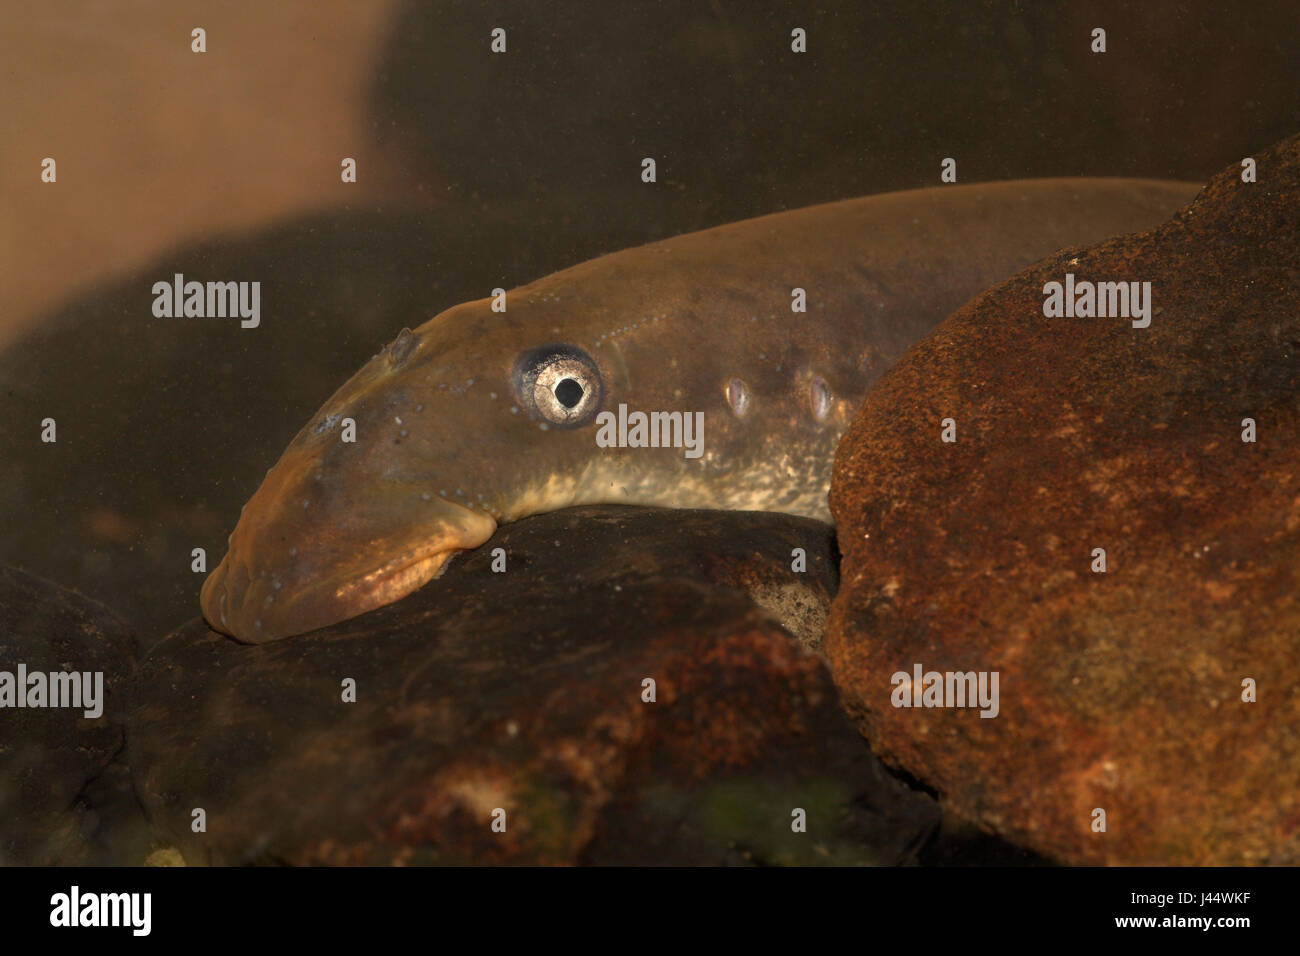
<point x="568" y="393"/>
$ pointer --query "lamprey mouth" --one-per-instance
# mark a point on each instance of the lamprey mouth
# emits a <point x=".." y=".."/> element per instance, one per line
<point x="256" y="600"/>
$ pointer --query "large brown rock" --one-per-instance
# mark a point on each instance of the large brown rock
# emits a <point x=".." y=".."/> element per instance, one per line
<point x="63" y="800"/>
<point x="1120" y="690"/>
<point x="523" y="691"/>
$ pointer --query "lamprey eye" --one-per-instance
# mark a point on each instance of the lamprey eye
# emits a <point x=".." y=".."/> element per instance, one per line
<point x="569" y="393"/>
<point x="559" y="383"/>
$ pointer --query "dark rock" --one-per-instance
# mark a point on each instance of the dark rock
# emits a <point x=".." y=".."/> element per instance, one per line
<point x="1123" y="690"/>
<point x="116" y="831"/>
<point x="59" y="796"/>
<point x="523" y="690"/>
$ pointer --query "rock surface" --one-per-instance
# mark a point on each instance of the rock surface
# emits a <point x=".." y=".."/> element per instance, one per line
<point x="62" y="798"/>
<point x="1123" y="690"/>
<point x="523" y="691"/>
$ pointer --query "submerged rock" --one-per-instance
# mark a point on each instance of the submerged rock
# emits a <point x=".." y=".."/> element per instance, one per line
<point x="521" y="698"/>
<point x="62" y="798"/>
<point x="1125" y="691"/>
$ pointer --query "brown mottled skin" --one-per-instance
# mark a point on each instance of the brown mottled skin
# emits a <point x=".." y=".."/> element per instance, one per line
<point x="450" y="438"/>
